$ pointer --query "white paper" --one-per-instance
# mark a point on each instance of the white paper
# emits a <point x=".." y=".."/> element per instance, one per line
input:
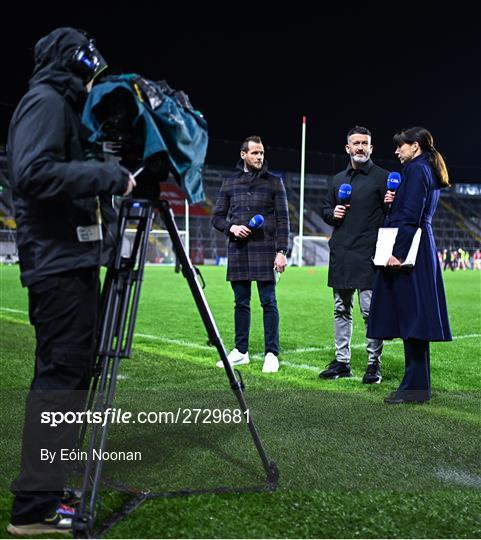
<point x="385" y="242"/>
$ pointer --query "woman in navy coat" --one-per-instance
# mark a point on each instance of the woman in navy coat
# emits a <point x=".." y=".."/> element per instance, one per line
<point x="410" y="302"/>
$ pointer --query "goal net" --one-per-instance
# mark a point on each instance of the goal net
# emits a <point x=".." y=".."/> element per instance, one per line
<point x="315" y="251"/>
<point x="159" y="251"/>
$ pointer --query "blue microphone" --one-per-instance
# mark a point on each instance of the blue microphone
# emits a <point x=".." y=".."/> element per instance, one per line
<point x="344" y="193"/>
<point x="256" y="222"/>
<point x="393" y="181"/>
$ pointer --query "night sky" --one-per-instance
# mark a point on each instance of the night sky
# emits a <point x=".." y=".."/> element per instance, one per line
<point x="254" y="71"/>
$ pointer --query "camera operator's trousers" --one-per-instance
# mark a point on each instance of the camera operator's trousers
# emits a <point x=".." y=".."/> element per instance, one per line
<point x="63" y="309"/>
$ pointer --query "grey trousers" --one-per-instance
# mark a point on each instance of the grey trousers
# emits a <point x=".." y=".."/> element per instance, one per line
<point x="343" y="304"/>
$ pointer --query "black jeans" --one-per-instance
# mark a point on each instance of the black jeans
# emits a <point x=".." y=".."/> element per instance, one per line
<point x="64" y="311"/>
<point x="242" y="314"/>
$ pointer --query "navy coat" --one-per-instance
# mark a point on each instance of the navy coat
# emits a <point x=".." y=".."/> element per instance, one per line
<point x="410" y="302"/>
<point x="242" y="197"/>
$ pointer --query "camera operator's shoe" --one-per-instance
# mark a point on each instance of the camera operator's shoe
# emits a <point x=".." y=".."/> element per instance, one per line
<point x="59" y="522"/>
<point x="271" y="363"/>
<point x="235" y="358"/>
<point x="71" y="497"/>
<point x="373" y="374"/>
<point x="335" y="370"/>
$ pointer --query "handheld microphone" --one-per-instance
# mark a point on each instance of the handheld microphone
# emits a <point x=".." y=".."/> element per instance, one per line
<point x="393" y="181"/>
<point x="344" y="194"/>
<point x="256" y="222"/>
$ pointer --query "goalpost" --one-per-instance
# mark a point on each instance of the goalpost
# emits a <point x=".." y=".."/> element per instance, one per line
<point x="315" y="251"/>
<point x="159" y="251"/>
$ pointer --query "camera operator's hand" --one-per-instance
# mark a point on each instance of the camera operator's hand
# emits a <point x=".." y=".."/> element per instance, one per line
<point x="240" y="231"/>
<point x="132" y="183"/>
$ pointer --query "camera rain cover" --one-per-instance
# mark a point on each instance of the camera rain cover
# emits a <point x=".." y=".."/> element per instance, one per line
<point x="154" y="125"/>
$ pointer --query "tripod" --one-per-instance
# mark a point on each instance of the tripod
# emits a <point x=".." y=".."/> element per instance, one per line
<point x="120" y="303"/>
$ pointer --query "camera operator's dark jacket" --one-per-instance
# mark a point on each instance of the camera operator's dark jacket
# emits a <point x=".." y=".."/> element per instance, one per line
<point x="353" y="240"/>
<point x="54" y="188"/>
<point x="242" y="197"/>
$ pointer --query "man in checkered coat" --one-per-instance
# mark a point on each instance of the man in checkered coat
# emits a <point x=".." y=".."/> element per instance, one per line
<point x="254" y="254"/>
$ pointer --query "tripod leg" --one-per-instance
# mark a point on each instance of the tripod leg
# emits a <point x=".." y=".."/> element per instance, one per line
<point x="84" y="516"/>
<point x="214" y="336"/>
<point x="116" y="332"/>
<point x="97" y="370"/>
<point x="90" y="402"/>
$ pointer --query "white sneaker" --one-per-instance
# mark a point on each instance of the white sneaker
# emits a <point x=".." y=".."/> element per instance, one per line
<point x="271" y="363"/>
<point x="235" y="358"/>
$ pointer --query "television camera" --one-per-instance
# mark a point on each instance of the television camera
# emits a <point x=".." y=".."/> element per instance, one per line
<point x="153" y="130"/>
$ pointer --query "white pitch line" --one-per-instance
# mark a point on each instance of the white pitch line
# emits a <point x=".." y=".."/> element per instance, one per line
<point x="10" y="310"/>
<point x="260" y="357"/>
<point x="299" y="366"/>
<point x="397" y="341"/>
<point x="461" y="478"/>
<point x="310" y="368"/>
<point x="189" y="344"/>
<point x="181" y="342"/>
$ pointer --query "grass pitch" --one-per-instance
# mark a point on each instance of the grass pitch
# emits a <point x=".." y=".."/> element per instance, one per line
<point x="350" y="466"/>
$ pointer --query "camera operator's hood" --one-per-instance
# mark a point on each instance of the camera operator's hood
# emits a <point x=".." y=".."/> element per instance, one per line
<point x="53" y="61"/>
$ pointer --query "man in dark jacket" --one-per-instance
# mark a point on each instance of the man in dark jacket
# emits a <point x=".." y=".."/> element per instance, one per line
<point x="59" y="233"/>
<point x="352" y="246"/>
<point x="254" y="254"/>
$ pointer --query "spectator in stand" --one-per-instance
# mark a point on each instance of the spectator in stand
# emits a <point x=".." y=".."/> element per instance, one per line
<point x="461" y="259"/>
<point x="477" y="260"/>
<point x="448" y="259"/>
<point x="455" y="258"/>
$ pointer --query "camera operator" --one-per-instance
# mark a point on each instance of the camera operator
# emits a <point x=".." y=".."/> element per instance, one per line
<point x="59" y="233"/>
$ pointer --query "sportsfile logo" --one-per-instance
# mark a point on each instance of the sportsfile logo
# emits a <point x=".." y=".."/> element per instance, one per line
<point x="118" y="416"/>
<point x="110" y="415"/>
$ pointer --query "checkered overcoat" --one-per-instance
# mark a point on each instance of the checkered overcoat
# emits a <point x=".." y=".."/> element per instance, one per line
<point x="242" y="197"/>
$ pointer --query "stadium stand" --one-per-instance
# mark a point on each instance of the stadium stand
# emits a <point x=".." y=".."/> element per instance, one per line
<point x="457" y="222"/>
<point x="8" y="247"/>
